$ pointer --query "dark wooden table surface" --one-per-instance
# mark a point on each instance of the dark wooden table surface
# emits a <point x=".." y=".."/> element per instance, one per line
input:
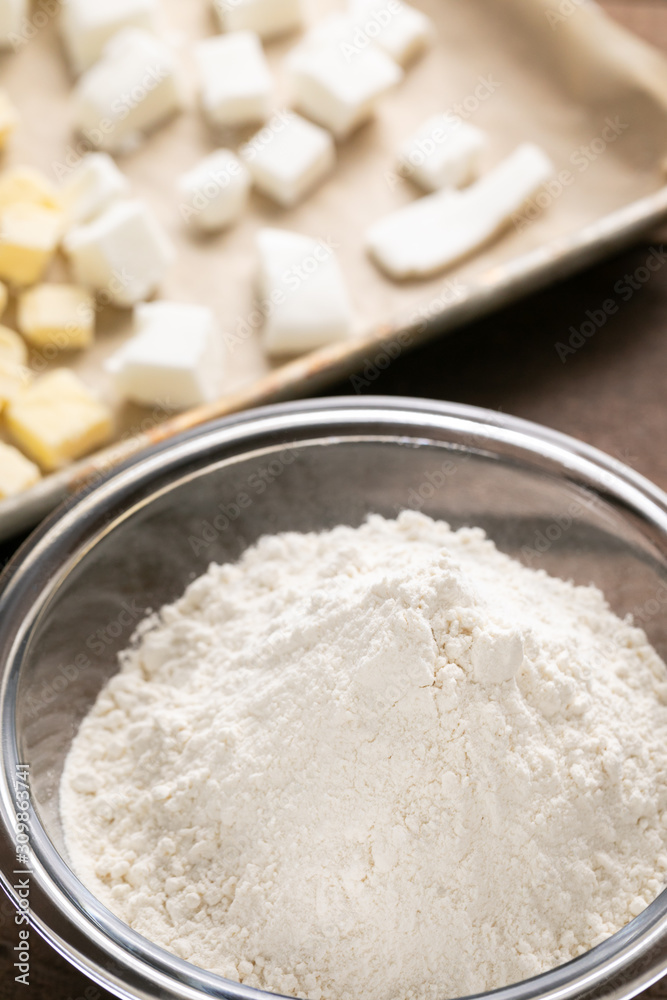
<point x="611" y="393"/>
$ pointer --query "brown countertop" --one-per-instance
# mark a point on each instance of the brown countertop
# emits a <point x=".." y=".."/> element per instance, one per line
<point x="611" y="392"/>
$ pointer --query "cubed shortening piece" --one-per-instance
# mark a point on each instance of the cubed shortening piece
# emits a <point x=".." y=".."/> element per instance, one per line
<point x="87" y="25"/>
<point x="337" y="90"/>
<point x="438" y="230"/>
<point x="91" y="187"/>
<point x="288" y="158"/>
<point x="444" y="152"/>
<point x="9" y="118"/>
<point x="58" y="419"/>
<point x="58" y="315"/>
<point x="174" y="358"/>
<point x="17" y="473"/>
<point x="123" y="253"/>
<point x="12" y="347"/>
<point x="13" y="16"/>
<point x="400" y="30"/>
<point x="131" y="90"/>
<point x="236" y="84"/>
<point x="301" y="283"/>
<point x="29" y="236"/>
<point x="26" y="185"/>
<point x="267" y="17"/>
<point x="215" y="192"/>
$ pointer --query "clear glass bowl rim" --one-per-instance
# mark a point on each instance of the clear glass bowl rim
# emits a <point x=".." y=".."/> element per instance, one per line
<point x="89" y="936"/>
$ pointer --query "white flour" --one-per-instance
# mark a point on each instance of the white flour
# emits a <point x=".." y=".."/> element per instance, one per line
<point x="387" y="762"/>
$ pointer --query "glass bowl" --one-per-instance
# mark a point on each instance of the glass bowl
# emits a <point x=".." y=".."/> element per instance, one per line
<point x="74" y="594"/>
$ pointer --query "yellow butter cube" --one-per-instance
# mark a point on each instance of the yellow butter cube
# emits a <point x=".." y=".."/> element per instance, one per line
<point x="12" y="347"/>
<point x="29" y="236"/>
<point x="13" y="379"/>
<point x="58" y="419"/>
<point x="25" y="185"/>
<point x="62" y="315"/>
<point x="17" y="473"/>
<point x="9" y="117"/>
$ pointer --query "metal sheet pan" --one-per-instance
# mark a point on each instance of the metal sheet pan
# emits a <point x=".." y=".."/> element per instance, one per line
<point x="559" y="73"/>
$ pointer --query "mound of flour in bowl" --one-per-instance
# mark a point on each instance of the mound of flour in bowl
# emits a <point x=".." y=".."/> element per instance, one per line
<point x="377" y="762"/>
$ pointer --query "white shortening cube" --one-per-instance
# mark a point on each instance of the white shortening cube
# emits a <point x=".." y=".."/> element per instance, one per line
<point x="87" y="25"/>
<point x="436" y="231"/>
<point x="289" y="157"/>
<point x="123" y="253"/>
<point x="336" y="89"/>
<point x="400" y="30"/>
<point x="131" y="90"/>
<point x="236" y="84"/>
<point x="215" y="192"/>
<point x="444" y="152"/>
<point x="13" y="14"/>
<point x="91" y="187"/>
<point x="173" y="359"/>
<point x="267" y="17"/>
<point x="301" y="279"/>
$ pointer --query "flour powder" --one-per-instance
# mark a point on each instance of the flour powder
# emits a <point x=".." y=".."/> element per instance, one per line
<point x="387" y="762"/>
